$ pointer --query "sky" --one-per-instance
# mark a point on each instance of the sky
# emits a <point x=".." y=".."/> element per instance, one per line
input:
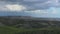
<point x="34" y="8"/>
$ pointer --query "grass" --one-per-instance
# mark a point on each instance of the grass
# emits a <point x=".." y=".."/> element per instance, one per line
<point x="13" y="30"/>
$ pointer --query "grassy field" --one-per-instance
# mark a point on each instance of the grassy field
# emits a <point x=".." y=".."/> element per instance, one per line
<point x="13" y="30"/>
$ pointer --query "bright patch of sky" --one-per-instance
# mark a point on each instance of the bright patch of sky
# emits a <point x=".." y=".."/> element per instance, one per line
<point x="15" y="7"/>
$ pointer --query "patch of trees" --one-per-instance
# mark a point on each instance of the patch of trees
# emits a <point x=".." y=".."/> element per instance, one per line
<point x="28" y="23"/>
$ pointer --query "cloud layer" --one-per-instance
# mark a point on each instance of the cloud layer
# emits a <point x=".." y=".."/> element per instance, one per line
<point x="33" y="7"/>
<point x="33" y="4"/>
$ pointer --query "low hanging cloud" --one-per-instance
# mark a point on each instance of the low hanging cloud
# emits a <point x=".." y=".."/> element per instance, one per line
<point x="37" y="8"/>
<point x="4" y="6"/>
<point x="34" y="4"/>
<point x="37" y="12"/>
<point x="18" y="5"/>
<point x="40" y="8"/>
<point x="49" y="11"/>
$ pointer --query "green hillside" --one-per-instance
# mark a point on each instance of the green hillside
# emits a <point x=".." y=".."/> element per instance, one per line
<point x="23" y="25"/>
<point x="13" y="30"/>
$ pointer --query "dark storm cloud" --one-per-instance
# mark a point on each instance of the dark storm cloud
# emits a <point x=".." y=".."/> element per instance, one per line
<point x="34" y="4"/>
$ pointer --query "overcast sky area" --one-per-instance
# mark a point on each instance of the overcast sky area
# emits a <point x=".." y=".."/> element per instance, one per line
<point x="35" y="8"/>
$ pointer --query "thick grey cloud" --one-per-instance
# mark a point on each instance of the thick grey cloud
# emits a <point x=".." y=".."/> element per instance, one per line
<point x="35" y="4"/>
